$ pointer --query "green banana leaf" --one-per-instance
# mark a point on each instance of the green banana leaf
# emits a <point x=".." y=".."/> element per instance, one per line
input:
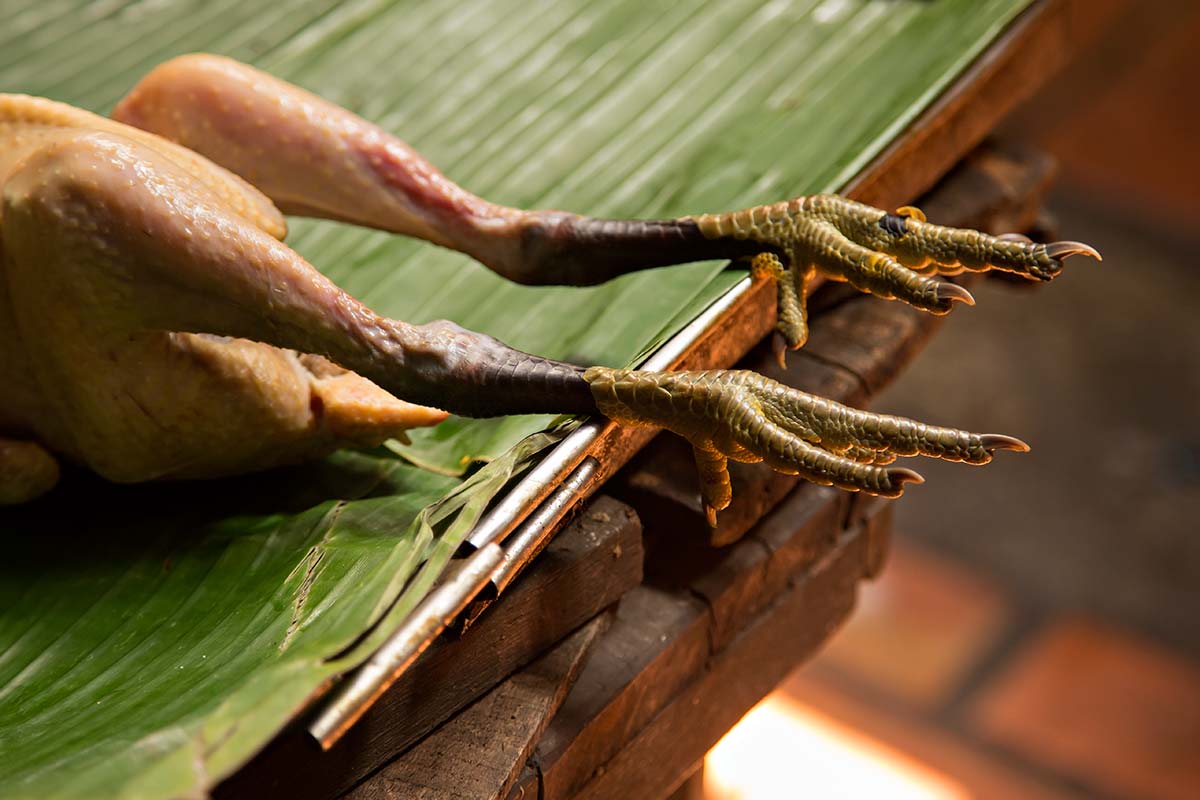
<point x="153" y="638"/>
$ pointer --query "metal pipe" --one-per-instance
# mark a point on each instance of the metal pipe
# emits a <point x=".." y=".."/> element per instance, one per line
<point x="351" y="699"/>
<point x="507" y="514"/>
<point x="535" y="533"/>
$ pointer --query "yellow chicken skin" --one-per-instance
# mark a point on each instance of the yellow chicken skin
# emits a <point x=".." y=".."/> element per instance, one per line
<point x="86" y="381"/>
<point x="154" y="326"/>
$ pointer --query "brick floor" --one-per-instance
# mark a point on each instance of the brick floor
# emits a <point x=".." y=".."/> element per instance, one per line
<point x="971" y="770"/>
<point x="1116" y="712"/>
<point x="919" y="628"/>
<point x="1073" y="707"/>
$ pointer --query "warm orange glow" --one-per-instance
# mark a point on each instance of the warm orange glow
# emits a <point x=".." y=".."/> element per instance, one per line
<point x="784" y="750"/>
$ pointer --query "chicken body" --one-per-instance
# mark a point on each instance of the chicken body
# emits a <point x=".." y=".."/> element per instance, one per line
<point x="90" y="382"/>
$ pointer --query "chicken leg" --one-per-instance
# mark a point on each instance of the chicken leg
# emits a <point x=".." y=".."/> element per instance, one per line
<point x="312" y="157"/>
<point x="154" y="256"/>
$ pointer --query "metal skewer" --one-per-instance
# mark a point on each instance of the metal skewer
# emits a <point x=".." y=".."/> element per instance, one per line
<point x="351" y="699"/>
<point x="519" y="503"/>
<point x="533" y="535"/>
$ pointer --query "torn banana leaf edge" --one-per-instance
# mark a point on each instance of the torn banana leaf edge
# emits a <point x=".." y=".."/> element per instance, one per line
<point x="437" y="531"/>
<point x="314" y="627"/>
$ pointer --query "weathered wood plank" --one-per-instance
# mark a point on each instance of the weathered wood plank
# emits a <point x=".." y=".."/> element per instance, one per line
<point x="478" y="753"/>
<point x="657" y="643"/>
<point x="766" y="649"/>
<point x="737" y="582"/>
<point x="692" y="787"/>
<point x="588" y="566"/>
<point x="696" y="601"/>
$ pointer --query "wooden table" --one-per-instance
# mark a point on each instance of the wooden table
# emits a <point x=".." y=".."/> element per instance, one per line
<point x="664" y="641"/>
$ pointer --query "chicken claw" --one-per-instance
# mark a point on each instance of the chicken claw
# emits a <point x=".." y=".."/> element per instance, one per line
<point x="888" y="255"/>
<point x="744" y="416"/>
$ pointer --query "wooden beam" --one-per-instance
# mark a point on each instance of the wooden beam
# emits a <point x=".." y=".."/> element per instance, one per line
<point x="478" y="754"/>
<point x="688" y="652"/>
<point x="764" y="652"/>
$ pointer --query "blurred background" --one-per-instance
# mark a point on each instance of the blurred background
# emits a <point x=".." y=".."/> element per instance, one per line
<point x="1037" y="630"/>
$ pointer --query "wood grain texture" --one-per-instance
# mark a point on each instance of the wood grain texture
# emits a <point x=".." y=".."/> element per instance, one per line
<point x="695" y="602"/>
<point x="594" y="561"/>
<point x="656" y="645"/>
<point x="766" y="649"/>
<point x="684" y="660"/>
<point x="478" y="753"/>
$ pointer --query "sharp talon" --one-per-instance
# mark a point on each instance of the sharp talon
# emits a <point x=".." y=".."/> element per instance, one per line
<point x="998" y="441"/>
<point x="780" y="348"/>
<point x="1014" y="237"/>
<point x="1061" y="250"/>
<point x="911" y="212"/>
<point x="903" y="475"/>
<point x="710" y="514"/>
<point x="954" y="292"/>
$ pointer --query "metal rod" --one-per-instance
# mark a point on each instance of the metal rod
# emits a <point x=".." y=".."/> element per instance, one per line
<point x="351" y="699"/>
<point x="507" y="514"/>
<point x="534" y="533"/>
<point x="532" y="537"/>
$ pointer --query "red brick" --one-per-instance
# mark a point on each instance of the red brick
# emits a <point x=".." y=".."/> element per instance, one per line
<point x="970" y="770"/>
<point x="919" y="628"/>
<point x="1116" y="712"/>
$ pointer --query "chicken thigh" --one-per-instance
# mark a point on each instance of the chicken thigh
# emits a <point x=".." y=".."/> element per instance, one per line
<point x="153" y="325"/>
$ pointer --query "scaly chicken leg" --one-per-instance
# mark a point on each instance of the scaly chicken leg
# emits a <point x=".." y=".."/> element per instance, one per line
<point x="314" y="158"/>
<point x="147" y="252"/>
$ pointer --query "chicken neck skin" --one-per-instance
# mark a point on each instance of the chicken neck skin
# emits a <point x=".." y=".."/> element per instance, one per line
<point x="150" y="250"/>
